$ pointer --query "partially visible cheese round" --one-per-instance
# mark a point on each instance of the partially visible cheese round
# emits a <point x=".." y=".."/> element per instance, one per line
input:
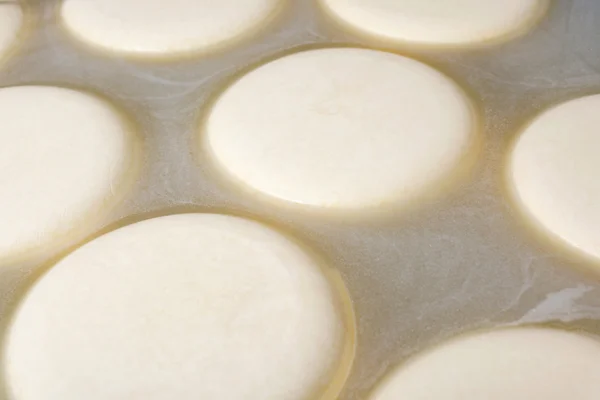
<point x="66" y="158"/>
<point x="155" y="28"/>
<point x="11" y="21"/>
<point x="515" y="364"/>
<point x="437" y="23"/>
<point x="186" y="307"/>
<point x="553" y="173"/>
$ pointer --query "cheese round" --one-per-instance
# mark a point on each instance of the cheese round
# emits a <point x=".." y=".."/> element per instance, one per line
<point x="11" y="21"/>
<point x="155" y="28"/>
<point x="66" y="158"/>
<point x="553" y="174"/>
<point x="341" y="128"/>
<point x="187" y="307"/>
<point x="437" y="23"/>
<point x="516" y="364"/>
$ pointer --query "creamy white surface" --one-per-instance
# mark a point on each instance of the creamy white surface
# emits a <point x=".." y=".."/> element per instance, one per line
<point x="515" y="364"/>
<point x="156" y="27"/>
<point x="11" y="20"/>
<point x="554" y="172"/>
<point x="187" y="307"/>
<point x="63" y="157"/>
<point x="448" y="22"/>
<point x="343" y="128"/>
